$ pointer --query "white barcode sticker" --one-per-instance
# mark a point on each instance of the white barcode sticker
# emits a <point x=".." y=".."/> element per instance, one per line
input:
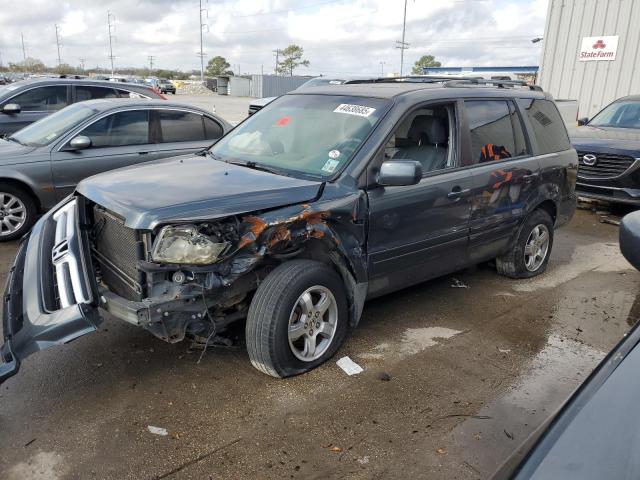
<point x="359" y="110"/>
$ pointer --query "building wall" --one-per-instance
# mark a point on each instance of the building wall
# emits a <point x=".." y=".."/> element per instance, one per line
<point x="593" y="83"/>
<point x="274" y="85"/>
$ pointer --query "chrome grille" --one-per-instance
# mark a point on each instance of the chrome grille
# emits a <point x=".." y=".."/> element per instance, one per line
<point x="117" y="249"/>
<point x="69" y="284"/>
<point x="607" y="165"/>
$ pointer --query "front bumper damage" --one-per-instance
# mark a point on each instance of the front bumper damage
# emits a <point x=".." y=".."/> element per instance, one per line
<point x="48" y="276"/>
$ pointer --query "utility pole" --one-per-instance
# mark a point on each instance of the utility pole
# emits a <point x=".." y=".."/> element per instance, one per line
<point x="202" y="54"/>
<point x="277" y="53"/>
<point x="151" y="59"/>
<point x="24" y="51"/>
<point x="402" y="45"/>
<point x="58" y="42"/>
<point x="82" y="60"/>
<point x="111" y="23"/>
<point x="382" y="68"/>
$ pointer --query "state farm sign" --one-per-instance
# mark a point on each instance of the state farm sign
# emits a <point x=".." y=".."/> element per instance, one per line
<point x="598" y="48"/>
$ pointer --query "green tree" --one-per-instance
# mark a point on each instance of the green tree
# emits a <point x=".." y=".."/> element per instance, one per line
<point x="425" y="61"/>
<point x="218" y="66"/>
<point x="292" y="59"/>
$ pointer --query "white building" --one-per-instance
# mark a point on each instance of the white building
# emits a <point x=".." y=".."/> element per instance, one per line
<point x="591" y="51"/>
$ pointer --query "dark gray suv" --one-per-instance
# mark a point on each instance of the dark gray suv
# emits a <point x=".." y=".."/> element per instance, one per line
<point x="25" y="102"/>
<point x="295" y="218"/>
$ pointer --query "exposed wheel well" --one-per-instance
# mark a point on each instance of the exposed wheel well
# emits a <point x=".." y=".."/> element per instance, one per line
<point x="23" y="186"/>
<point x="550" y="207"/>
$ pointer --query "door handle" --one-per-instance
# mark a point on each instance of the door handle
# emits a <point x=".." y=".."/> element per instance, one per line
<point x="457" y="193"/>
<point x="143" y="153"/>
<point x="530" y="178"/>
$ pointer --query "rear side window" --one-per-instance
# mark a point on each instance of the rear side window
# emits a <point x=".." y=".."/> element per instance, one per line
<point x="42" y="99"/>
<point x="120" y="129"/>
<point x="548" y="126"/>
<point x="212" y="129"/>
<point x="177" y="126"/>
<point x="90" y="93"/>
<point x="496" y="130"/>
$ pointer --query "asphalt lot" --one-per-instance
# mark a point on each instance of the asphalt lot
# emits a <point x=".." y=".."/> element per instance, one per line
<point x="471" y="372"/>
<point x="232" y="109"/>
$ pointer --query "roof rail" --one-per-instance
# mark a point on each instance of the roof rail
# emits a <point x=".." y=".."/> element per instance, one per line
<point x="405" y="79"/>
<point x="472" y="82"/>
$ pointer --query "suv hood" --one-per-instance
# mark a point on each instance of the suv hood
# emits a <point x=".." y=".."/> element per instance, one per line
<point x="606" y="139"/>
<point x="191" y="188"/>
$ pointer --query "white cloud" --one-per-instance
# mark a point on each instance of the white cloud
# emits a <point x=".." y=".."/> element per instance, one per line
<point x="339" y="37"/>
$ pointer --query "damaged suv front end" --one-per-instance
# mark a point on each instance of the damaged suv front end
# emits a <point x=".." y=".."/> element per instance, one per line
<point x="178" y="247"/>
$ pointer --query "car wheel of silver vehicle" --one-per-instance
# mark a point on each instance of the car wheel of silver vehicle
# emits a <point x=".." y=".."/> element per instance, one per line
<point x="17" y="212"/>
<point x="312" y="323"/>
<point x="298" y="318"/>
<point x="530" y="251"/>
<point x="535" y="252"/>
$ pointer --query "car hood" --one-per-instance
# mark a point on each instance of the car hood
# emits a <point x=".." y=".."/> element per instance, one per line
<point x="606" y="139"/>
<point x="191" y="188"/>
<point x="10" y="150"/>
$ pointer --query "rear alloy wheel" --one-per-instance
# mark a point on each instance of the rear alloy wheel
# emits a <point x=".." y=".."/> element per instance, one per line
<point x="297" y="320"/>
<point x="17" y="212"/>
<point x="530" y="252"/>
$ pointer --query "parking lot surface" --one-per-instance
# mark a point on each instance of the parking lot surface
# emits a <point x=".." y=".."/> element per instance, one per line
<point x="232" y="109"/>
<point x="454" y="380"/>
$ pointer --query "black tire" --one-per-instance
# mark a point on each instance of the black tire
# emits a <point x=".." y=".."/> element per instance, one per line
<point x="512" y="264"/>
<point x="30" y="208"/>
<point x="267" y="328"/>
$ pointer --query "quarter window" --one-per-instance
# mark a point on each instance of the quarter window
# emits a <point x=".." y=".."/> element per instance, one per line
<point x="42" y="99"/>
<point x="496" y="130"/>
<point x="212" y="129"/>
<point x="177" y="126"/>
<point x="548" y="126"/>
<point x="120" y="129"/>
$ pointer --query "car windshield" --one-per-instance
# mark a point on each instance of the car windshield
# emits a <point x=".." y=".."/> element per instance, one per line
<point x="625" y="114"/>
<point x="52" y="127"/>
<point x="313" y="135"/>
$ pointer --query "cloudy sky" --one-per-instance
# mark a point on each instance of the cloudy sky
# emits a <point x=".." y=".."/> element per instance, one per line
<point x="339" y="36"/>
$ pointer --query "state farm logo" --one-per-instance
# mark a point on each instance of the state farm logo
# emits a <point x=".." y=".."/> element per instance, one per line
<point x="598" y="48"/>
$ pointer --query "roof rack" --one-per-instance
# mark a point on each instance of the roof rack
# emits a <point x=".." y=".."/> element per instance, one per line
<point x="451" y="81"/>
<point x="472" y="82"/>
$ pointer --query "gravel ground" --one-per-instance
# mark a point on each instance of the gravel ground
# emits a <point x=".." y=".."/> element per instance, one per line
<point x="454" y="380"/>
<point x="232" y="109"/>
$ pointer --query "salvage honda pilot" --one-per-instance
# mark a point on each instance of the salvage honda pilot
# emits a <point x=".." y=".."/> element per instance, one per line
<point x="325" y="198"/>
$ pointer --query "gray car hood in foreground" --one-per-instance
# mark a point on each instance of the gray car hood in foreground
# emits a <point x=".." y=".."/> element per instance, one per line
<point x="191" y="188"/>
<point x="13" y="152"/>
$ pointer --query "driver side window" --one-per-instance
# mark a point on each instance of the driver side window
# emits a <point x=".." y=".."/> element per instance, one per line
<point x="120" y="129"/>
<point x="426" y="136"/>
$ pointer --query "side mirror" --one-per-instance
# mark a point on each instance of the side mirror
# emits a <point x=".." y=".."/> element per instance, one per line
<point x="630" y="238"/>
<point x="397" y="173"/>
<point x="11" y="108"/>
<point x="79" y="143"/>
<point x="583" y="121"/>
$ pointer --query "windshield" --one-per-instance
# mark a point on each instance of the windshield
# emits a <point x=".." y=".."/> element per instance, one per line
<point x="624" y="114"/>
<point x="308" y="134"/>
<point x="52" y="127"/>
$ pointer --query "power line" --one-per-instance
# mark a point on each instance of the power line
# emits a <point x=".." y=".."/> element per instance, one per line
<point x="202" y="54"/>
<point x="58" y="42"/>
<point x="111" y="27"/>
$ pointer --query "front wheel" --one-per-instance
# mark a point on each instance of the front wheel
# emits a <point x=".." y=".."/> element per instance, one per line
<point x="530" y="253"/>
<point x="17" y="212"/>
<point x="297" y="320"/>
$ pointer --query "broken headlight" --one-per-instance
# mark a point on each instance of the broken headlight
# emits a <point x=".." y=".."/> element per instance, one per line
<point x="186" y="244"/>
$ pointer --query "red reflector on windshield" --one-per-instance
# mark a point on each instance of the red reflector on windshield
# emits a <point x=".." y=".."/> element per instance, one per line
<point x="284" y="121"/>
